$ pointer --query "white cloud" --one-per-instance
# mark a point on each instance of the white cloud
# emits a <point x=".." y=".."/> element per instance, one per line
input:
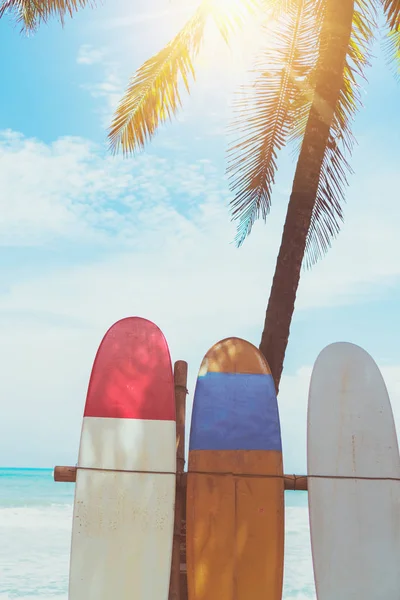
<point x="69" y="189"/>
<point x="109" y="88"/>
<point x="88" y="55"/>
<point x="162" y="233"/>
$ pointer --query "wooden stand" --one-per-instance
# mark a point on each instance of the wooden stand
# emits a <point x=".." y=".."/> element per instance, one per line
<point x="178" y="582"/>
<point x="294" y="483"/>
<point x="180" y="378"/>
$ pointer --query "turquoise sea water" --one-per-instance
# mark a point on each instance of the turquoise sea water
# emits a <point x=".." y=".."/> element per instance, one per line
<point x="35" y="533"/>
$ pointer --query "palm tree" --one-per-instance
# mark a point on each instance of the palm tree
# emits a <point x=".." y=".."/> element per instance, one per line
<point x="306" y="89"/>
<point x="32" y="13"/>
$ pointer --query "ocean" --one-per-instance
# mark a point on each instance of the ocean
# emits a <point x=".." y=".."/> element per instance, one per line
<point x="35" y="535"/>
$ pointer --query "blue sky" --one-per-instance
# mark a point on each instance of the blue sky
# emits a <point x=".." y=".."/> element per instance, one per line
<point x="88" y="238"/>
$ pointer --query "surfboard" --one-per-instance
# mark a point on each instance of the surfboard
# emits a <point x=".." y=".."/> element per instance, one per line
<point x="354" y="522"/>
<point x="235" y="490"/>
<point x="123" y="515"/>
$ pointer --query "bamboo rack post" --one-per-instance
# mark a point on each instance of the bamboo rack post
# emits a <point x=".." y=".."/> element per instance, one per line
<point x="180" y="380"/>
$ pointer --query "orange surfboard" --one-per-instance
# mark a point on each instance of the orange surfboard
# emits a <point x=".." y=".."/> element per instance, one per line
<point x="235" y="489"/>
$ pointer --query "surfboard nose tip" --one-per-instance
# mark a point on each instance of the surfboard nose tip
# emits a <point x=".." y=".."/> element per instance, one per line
<point x="234" y="355"/>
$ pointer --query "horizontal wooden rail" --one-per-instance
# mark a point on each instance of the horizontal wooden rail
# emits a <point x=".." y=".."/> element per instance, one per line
<point x="292" y="482"/>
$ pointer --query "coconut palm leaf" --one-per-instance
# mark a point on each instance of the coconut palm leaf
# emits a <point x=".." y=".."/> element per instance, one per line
<point x="31" y="13"/>
<point x="392" y="49"/>
<point x="392" y="39"/>
<point x="153" y="95"/>
<point x="228" y="20"/>
<point x="264" y="124"/>
<point x="280" y="112"/>
<point x="328" y="214"/>
<point x="392" y="12"/>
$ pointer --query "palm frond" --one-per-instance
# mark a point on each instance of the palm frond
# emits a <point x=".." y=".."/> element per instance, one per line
<point x="328" y="215"/>
<point x="392" y="48"/>
<point x="392" y="37"/>
<point x="392" y="12"/>
<point x="265" y="122"/>
<point x="153" y="95"/>
<point x="31" y="13"/>
<point x="230" y="17"/>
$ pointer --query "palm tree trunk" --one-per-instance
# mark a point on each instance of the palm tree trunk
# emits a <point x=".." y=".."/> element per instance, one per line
<point x="335" y="37"/>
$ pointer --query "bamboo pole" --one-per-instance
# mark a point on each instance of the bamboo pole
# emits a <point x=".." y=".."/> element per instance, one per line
<point x="292" y="482"/>
<point x="180" y="380"/>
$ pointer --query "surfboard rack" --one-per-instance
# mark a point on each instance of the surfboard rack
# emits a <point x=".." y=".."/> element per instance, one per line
<point x="178" y="581"/>
<point x="294" y="483"/>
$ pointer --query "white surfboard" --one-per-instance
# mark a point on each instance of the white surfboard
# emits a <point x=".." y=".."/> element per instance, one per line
<point x="354" y="521"/>
<point x="125" y="485"/>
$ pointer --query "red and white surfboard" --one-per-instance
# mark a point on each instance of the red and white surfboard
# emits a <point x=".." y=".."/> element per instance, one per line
<point x="125" y="486"/>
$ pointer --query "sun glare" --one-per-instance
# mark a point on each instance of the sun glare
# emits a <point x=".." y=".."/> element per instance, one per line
<point x="230" y="8"/>
<point x="227" y="4"/>
<point x="244" y="41"/>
